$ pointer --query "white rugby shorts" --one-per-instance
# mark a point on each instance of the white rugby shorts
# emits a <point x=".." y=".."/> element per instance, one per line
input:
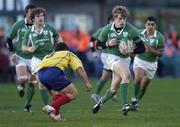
<point x="35" y="62"/>
<point x="112" y="59"/>
<point x="149" y="67"/>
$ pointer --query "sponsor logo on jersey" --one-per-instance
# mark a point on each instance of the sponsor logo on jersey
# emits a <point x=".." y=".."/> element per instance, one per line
<point x="34" y="34"/>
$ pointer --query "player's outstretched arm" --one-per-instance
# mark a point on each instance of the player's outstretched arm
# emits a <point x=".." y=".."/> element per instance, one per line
<point x="81" y="72"/>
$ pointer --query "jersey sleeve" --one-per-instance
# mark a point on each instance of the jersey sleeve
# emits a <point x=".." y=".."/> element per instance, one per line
<point x="96" y="34"/>
<point x="161" y="40"/>
<point x="54" y="31"/>
<point x="75" y="62"/>
<point x="26" y="41"/>
<point x="13" y="31"/>
<point x="103" y="36"/>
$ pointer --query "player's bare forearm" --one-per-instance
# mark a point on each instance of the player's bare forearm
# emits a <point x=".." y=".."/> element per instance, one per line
<point x="81" y="72"/>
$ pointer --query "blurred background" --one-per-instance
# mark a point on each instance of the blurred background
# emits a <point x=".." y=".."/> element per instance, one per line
<point x="76" y="20"/>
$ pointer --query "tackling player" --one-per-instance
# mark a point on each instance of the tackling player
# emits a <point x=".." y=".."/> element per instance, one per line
<point x="51" y="75"/>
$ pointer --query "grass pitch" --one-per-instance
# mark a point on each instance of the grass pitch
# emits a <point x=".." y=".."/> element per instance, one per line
<point x="160" y="107"/>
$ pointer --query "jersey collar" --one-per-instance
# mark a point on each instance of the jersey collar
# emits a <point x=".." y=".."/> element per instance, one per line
<point x="34" y="30"/>
<point x="144" y="31"/>
<point x="113" y="29"/>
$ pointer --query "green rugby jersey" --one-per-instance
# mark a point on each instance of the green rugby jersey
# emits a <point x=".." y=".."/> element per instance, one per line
<point x="108" y="32"/>
<point x="156" y="42"/>
<point x="43" y="40"/>
<point x="17" y="32"/>
<point x="96" y="34"/>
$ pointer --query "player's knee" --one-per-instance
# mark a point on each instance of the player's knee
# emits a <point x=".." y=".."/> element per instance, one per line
<point x="126" y="77"/>
<point x="74" y="95"/>
<point x="138" y="79"/>
<point x="22" y="79"/>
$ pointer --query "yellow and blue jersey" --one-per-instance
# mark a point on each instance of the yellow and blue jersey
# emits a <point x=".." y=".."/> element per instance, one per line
<point x="51" y="70"/>
<point x="62" y="60"/>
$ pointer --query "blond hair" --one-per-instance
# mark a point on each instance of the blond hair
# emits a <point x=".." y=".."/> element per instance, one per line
<point x="120" y="10"/>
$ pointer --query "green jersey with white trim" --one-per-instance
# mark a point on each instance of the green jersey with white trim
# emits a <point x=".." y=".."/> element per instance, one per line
<point x="43" y="40"/>
<point x="17" y="32"/>
<point x="108" y="32"/>
<point x="156" y="41"/>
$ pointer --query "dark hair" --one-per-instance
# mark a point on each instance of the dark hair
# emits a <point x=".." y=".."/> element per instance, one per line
<point x="30" y="6"/>
<point x="151" y="18"/>
<point x="61" y="46"/>
<point x="37" y="11"/>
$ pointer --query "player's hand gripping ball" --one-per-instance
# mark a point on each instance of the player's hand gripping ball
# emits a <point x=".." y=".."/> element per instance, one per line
<point x="126" y="46"/>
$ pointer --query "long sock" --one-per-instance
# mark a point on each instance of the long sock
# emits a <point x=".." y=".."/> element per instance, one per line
<point x="136" y="90"/>
<point x="100" y="85"/>
<point x="29" y="96"/>
<point x="60" y="100"/>
<point x="141" y="94"/>
<point x="57" y="110"/>
<point x="107" y="96"/>
<point x="44" y="96"/>
<point x="124" y="91"/>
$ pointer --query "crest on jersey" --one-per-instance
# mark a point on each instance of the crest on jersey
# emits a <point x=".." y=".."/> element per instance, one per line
<point x="45" y="32"/>
<point x="151" y="40"/>
<point x="125" y="34"/>
<point x="23" y="30"/>
<point x="113" y="35"/>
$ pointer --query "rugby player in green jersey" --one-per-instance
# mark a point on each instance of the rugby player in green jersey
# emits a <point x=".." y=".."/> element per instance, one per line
<point x="20" y="59"/>
<point x="40" y="41"/>
<point x="145" y="64"/>
<point x="119" y="60"/>
<point x="106" y="73"/>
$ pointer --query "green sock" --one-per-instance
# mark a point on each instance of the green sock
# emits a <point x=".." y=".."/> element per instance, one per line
<point x="142" y="92"/>
<point x="44" y="96"/>
<point x="107" y="96"/>
<point x="124" y="91"/>
<point x="29" y="96"/>
<point x="136" y="90"/>
<point x="100" y="85"/>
